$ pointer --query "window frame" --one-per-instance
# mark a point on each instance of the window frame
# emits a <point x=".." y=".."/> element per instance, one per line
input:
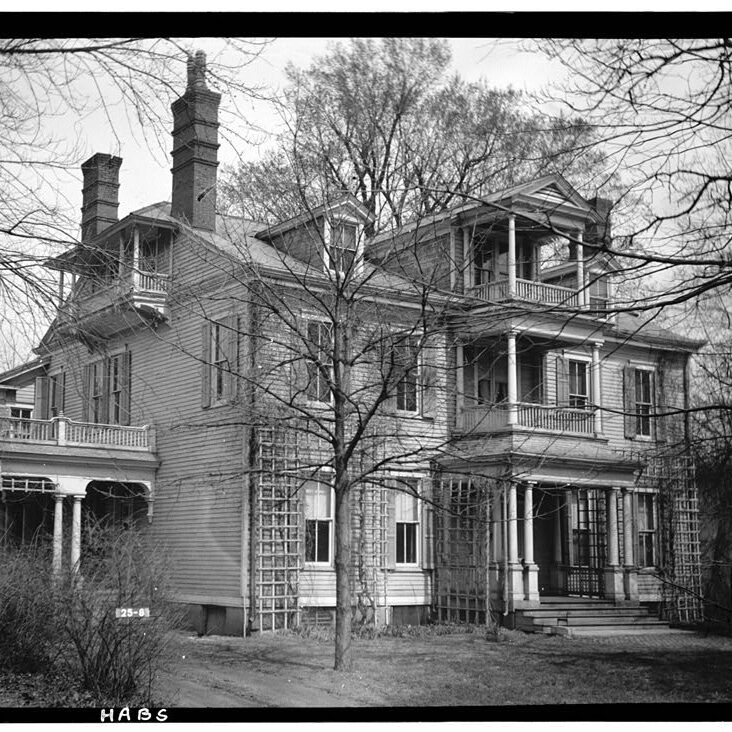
<point x="650" y="533"/>
<point x="399" y="492"/>
<point x="575" y="397"/>
<point x="321" y="482"/>
<point x="333" y="248"/>
<point x="638" y="417"/>
<point x="313" y="369"/>
<point x="415" y="379"/>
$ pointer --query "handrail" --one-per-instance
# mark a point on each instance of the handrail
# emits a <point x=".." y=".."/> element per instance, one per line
<point x="64" y="431"/>
<point x="489" y="418"/>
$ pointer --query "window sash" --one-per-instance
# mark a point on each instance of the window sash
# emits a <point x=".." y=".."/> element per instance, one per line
<point x="342" y="247"/>
<point x="406" y="355"/>
<point x="643" y="402"/>
<point x="218" y="361"/>
<point x="318" y="522"/>
<point x="320" y="335"/>
<point x="578" y="388"/>
<point x="406" y="542"/>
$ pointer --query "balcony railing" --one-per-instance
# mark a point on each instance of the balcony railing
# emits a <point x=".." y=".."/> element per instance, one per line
<point x="530" y="291"/>
<point x="482" y="419"/>
<point x="151" y="281"/>
<point x="62" y="431"/>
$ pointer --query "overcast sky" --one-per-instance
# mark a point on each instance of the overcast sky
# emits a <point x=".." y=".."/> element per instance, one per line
<point x="145" y="173"/>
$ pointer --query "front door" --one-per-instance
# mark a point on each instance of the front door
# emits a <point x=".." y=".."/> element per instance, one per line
<point x="584" y="542"/>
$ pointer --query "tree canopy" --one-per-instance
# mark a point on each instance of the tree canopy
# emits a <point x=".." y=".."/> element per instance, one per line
<point x="385" y="119"/>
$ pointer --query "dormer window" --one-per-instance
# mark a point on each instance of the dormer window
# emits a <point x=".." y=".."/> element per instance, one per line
<point x="342" y="246"/>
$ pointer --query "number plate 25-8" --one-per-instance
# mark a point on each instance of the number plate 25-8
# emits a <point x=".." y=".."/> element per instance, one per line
<point x="132" y="612"/>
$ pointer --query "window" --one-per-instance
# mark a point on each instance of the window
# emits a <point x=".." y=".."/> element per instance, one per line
<point x="97" y="392"/>
<point x="219" y="362"/>
<point x="406" y="357"/>
<point x="646" y="530"/>
<point x="643" y="401"/>
<point x="20" y="413"/>
<point x="318" y="522"/>
<point x="407" y="523"/>
<point x="578" y="391"/>
<point x="342" y="247"/>
<point x="320" y="336"/>
<point x="57" y="385"/>
<point x="107" y="391"/>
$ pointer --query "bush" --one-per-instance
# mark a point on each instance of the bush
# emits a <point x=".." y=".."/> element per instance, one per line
<point x="27" y="609"/>
<point x="112" y="661"/>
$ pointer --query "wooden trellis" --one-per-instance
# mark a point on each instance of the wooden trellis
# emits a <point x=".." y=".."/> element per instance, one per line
<point x="462" y="520"/>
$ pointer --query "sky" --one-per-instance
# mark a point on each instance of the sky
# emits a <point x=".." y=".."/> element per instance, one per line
<point x="499" y="61"/>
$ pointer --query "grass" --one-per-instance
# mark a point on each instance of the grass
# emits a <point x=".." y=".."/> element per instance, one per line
<point x="423" y="669"/>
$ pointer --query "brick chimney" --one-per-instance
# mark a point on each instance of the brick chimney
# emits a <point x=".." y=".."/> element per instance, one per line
<point x="601" y="232"/>
<point x="99" y="194"/>
<point x="195" y="148"/>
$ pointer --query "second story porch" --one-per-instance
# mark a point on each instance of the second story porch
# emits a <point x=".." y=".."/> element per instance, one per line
<point x="514" y="382"/>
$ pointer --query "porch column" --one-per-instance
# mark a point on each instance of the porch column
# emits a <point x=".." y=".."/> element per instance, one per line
<point x="467" y="261"/>
<point x="58" y="527"/>
<point x="515" y="579"/>
<point x="512" y="379"/>
<point x="136" y="257"/>
<point x="580" y="257"/>
<point x="614" y="588"/>
<point x="76" y="534"/>
<point x="558" y="571"/>
<point x="459" y="385"/>
<point x="596" y="386"/>
<point x="531" y="570"/>
<point x="631" y="574"/>
<point x="511" y="256"/>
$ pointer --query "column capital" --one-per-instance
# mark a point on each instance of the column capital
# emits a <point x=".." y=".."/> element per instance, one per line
<point x="598" y="343"/>
<point x="614" y="488"/>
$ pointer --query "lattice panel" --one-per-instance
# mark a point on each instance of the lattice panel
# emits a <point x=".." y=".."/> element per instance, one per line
<point x="461" y="556"/>
<point x="279" y="531"/>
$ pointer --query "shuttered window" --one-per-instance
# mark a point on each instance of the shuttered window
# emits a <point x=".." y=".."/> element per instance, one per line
<point x="107" y="390"/>
<point x="643" y="401"/>
<point x="320" y="337"/>
<point x="578" y="387"/>
<point x="407" y="368"/>
<point x="219" y="361"/>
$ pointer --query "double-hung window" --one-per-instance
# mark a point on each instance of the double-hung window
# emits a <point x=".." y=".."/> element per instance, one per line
<point x="407" y="364"/>
<point x="407" y="522"/>
<point x="342" y="246"/>
<point x="107" y="398"/>
<point x="643" y="402"/>
<point x="219" y="362"/>
<point x="320" y="364"/>
<point x="578" y="391"/>
<point x="646" y="530"/>
<point x="318" y="522"/>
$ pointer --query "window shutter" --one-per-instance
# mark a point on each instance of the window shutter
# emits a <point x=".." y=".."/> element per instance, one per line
<point x="428" y="384"/>
<point x="88" y="388"/>
<point x="428" y="542"/>
<point x="125" y="384"/>
<point x="299" y="373"/>
<point x="59" y="394"/>
<point x="391" y="528"/>
<point x="41" y="404"/>
<point x="659" y="404"/>
<point x="231" y="345"/>
<point x="629" y="405"/>
<point x="562" y="382"/>
<point x="206" y="365"/>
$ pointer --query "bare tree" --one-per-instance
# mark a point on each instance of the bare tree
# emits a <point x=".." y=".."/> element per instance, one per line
<point x="385" y="121"/>
<point x="46" y="86"/>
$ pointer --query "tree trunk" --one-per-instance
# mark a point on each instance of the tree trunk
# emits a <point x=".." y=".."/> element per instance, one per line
<point x="343" y="590"/>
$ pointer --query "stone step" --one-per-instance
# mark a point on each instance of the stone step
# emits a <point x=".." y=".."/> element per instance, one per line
<point x="604" y="631"/>
<point x="581" y="612"/>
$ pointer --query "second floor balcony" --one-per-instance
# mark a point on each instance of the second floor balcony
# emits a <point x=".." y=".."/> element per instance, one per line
<point x="484" y="419"/>
<point x="64" y="432"/>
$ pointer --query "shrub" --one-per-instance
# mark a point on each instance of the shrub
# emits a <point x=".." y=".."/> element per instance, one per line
<point x="67" y="627"/>
<point x="27" y="609"/>
<point x="116" y="658"/>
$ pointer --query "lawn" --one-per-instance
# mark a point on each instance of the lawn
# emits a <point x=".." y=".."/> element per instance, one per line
<point x="461" y="669"/>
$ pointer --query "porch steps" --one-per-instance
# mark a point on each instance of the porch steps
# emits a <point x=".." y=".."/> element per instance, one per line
<point x="575" y="616"/>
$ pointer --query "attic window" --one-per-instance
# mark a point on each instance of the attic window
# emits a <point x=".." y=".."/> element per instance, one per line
<point x="342" y="247"/>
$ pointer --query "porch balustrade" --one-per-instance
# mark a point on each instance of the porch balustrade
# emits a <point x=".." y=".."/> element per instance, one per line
<point x="484" y="418"/>
<point x="63" y="431"/>
<point x="530" y="291"/>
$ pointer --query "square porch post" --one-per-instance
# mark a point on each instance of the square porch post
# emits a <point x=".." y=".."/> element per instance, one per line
<point x="58" y="529"/>
<point x="614" y="585"/>
<point x="531" y="570"/>
<point x="631" y="572"/>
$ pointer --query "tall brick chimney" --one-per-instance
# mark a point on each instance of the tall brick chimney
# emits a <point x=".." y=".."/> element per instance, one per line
<point x="195" y="148"/>
<point x="99" y="194"/>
